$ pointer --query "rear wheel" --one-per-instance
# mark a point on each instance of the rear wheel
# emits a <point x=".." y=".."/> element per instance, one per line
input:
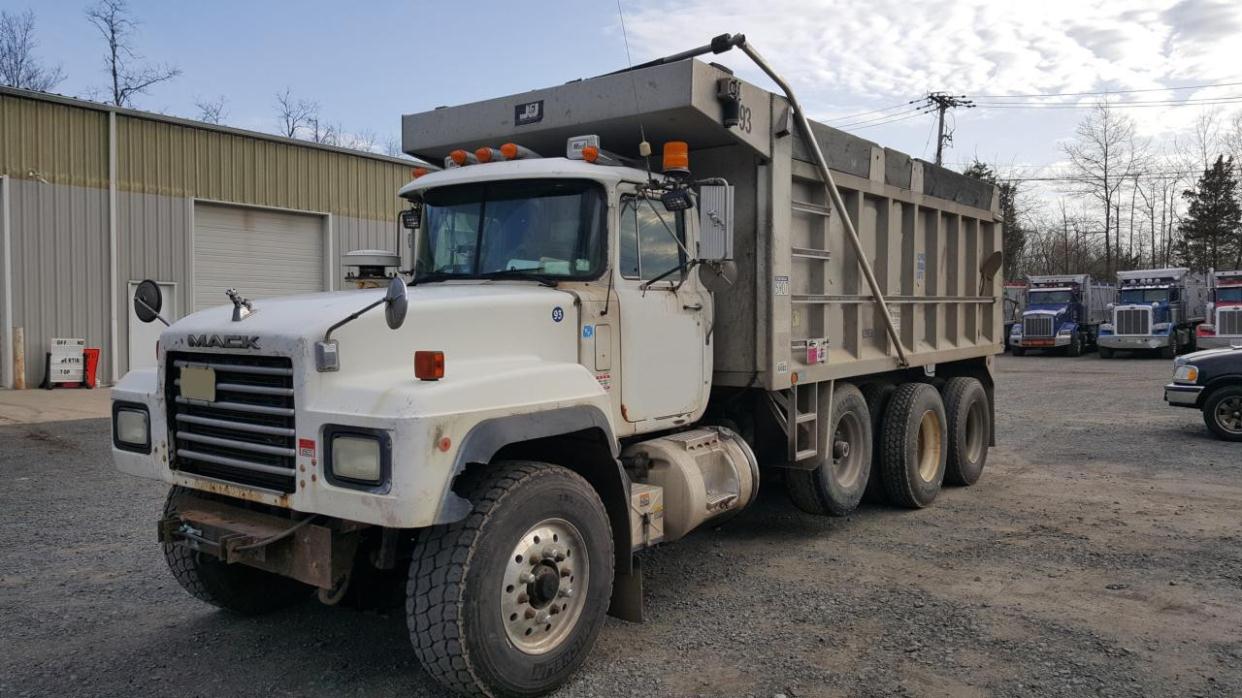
<point x="970" y="429"/>
<point x="914" y="452"/>
<point x="836" y="486"/>
<point x="1222" y="412"/>
<point x="877" y="396"/>
<point x="236" y="587"/>
<point x="509" y="601"/>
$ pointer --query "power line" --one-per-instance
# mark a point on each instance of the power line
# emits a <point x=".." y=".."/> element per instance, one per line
<point x="1116" y="105"/>
<point x="1113" y="92"/>
<point x="883" y="123"/>
<point x="873" y="111"/>
<point x="878" y="118"/>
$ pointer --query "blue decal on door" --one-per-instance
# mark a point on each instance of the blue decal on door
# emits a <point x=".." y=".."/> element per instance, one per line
<point x="588" y="331"/>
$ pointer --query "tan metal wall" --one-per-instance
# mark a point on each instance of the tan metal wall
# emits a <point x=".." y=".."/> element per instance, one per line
<point x="55" y="152"/>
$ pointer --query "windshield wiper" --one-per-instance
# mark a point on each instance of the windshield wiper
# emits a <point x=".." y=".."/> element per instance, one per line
<point x="433" y="276"/>
<point x="526" y="274"/>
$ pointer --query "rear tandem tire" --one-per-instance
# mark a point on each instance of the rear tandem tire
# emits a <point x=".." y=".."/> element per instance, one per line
<point x="876" y="395"/>
<point x="236" y="587"/>
<point x="481" y="591"/>
<point x="970" y="429"/>
<point x="836" y="486"/>
<point x="914" y="449"/>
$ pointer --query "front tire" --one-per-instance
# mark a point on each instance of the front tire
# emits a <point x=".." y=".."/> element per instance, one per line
<point x="1019" y="351"/>
<point x="509" y="601"/>
<point x="236" y="587"/>
<point x="914" y="453"/>
<point x="1075" y="345"/>
<point x="1106" y="352"/>
<point x="1169" y="350"/>
<point x="1222" y="412"/>
<point x="836" y="486"/>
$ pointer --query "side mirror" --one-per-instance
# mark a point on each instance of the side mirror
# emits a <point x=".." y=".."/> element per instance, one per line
<point x="716" y="223"/>
<point x="148" y="301"/>
<point x="396" y="303"/>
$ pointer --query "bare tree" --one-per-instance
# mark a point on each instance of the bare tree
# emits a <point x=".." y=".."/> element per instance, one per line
<point x="392" y="147"/>
<point x="295" y="114"/>
<point x="211" y="111"/>
<point x="129" y="78"/>
<point x="18" y="65"/>
<point x="1104" y="155"/>
<point x="320" y="132"/>
<point x="364" y="140"/>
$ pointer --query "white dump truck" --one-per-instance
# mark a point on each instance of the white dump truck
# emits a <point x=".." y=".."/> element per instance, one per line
<point x="594" y="353"/>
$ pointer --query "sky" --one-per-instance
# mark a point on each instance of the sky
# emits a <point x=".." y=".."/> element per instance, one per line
<point x="853" y="63"/>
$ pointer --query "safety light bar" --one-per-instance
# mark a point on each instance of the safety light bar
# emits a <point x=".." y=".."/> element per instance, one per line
<point x="460" y="158"/>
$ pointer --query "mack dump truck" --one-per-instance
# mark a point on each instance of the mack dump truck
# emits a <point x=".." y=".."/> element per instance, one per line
<point x="1223" y="324"/>
<point x="1156" y="310"/>
<point x="592" y="355"/>
<point x="1063" y="311"/>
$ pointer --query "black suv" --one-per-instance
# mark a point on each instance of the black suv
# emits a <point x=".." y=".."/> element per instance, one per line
<point x="1210" y="380"/>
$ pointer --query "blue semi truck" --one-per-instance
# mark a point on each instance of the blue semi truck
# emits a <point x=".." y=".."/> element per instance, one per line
<point x="1063" y="311"/>
<point x="1157" y="310"/>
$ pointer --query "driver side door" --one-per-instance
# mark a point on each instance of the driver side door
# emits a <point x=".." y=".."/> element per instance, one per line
<point x="665" y="361"/>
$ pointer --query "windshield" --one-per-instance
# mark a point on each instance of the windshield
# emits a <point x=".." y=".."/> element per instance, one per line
<point x="1049" y="297"/>
<point x="548" y="228"/>
<point x="1229" y="295"/>
<point x="1145" y="296"/>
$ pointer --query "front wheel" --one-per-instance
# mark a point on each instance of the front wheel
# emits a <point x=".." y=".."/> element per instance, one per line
<point x="509" y="601"/>
<point x="1075" y="345"/>
<point x="1169" y="350"/>
<point x="1222" y="412"/>
<point x="1019" y="351"/>
<point x="1106" y="352"/>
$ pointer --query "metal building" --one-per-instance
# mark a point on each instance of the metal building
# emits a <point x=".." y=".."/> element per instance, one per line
<point x="95" y="198"/>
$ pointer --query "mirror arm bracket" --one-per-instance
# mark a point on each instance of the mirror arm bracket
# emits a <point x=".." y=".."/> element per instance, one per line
<point x="153" y="311"/>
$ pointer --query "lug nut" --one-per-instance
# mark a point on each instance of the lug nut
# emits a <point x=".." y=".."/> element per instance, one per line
<point x="541" y="617"/>
<point x="552" y="552"/>
<point x="565" y="571"/>
<point x="526" y="577"/>
<point x="565" y="592"/>
<point x="529" y="614"/>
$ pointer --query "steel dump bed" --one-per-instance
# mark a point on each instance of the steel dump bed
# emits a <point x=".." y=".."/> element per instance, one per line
<point x="927" y="232"/>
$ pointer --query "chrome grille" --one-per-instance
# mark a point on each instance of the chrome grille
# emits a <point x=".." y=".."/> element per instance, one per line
<point x="247" y="435"/>
<point x="1037" y="326"/>
<point x="1229" y="321"/>
<point x="1133" y="321"/>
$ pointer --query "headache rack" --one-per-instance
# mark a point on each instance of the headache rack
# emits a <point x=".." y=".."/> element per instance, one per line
<point x="247" y="434"/>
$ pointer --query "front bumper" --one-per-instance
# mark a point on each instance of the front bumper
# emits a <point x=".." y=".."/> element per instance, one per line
<point x="1181" y="395"/>
<point x="1113" y="341"/>
<point x="1216" y="342"/>
<point x="1044" y="342"/>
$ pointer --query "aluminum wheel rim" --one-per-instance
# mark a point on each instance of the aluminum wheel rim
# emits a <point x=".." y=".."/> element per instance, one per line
<point x="544" y="587"/>
<point x="847" y="450"/>
<point x="1229" y="415"/>
<point x="974" y="432"/>
<point x="929" y="444"/>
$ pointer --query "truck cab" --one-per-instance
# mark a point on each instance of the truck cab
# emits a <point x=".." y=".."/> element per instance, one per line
<point x="1062" y="312"/>
<point x="1156" y="310"/>
<point x="1223" y="326"/>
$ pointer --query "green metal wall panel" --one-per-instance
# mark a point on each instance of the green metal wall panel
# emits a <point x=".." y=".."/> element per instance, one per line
<point x="51" y="142"/>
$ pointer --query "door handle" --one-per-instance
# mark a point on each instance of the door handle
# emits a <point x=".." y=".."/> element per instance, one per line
<point x="692" y="306"/>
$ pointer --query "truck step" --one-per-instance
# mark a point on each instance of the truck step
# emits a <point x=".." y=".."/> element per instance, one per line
<point x="806" y="454"/>
<point x="805" y="417"/>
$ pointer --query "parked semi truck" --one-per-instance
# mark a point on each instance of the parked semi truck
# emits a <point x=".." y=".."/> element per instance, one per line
<point x="595" y="351"/>
<point x="1063" y="311"/>
<point x="1156" y="310"/>
<point x="1223" y="324"/>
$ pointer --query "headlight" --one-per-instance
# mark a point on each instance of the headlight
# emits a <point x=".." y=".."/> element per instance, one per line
<point x="1161" y="326"/>
<point x="1186" y="374"/>
<point x="1017" y="330"/>
<point x="131" y="427"/>
<point x="1064" y="331"/>
<point x="358" y="456"/>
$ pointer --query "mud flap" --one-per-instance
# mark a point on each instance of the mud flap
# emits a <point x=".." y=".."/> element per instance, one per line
<point x="627" y="594"/>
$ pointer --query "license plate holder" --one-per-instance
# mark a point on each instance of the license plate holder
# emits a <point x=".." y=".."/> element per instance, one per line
<point x="198" y="383"/>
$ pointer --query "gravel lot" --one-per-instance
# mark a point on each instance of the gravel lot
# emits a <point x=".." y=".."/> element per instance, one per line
<point x="1100" y="554"/>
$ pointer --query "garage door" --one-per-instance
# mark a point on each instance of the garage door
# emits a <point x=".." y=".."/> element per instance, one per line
<point x="259" y="253"/>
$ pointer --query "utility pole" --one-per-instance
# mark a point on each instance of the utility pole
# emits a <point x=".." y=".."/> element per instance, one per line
<point x="943" y="102"/>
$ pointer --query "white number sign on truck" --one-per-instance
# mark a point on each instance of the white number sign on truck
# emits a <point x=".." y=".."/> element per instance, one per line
<point x="596" y="350"/>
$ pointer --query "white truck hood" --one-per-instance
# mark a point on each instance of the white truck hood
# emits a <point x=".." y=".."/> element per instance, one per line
<point x="469" y="321"/>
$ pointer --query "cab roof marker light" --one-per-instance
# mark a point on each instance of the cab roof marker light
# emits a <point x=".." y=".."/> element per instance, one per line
<point x="489" y="154"/>
<point x="460" y="158"/>
<point x="513" y="151"/>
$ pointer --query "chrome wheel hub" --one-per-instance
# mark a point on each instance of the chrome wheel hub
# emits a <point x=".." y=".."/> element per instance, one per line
<point x="543" y="591"/>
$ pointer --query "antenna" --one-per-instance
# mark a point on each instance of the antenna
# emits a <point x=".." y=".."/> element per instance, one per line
<point x="644" y="148"/>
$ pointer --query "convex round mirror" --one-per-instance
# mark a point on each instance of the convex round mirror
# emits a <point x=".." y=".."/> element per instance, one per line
<point x="717" y="276"/>
<point x="148" y="301"/>
<point x="396" y="303"/>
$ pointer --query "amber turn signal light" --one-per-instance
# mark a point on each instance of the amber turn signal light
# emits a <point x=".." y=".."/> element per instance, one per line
<point x="429" y="365"/>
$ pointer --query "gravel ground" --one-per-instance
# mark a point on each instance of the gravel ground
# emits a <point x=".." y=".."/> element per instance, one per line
<point x="1100" y="554"/>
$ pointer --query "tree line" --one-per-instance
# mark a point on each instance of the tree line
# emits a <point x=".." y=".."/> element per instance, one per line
<point x="129" y="75"/>
<point x="1125" y="202"/>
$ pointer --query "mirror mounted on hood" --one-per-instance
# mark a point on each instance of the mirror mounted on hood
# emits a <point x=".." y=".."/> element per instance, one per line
<point x="396" y="304"/>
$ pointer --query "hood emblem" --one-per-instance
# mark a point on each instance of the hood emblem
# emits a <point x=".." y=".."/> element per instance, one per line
<point x="242" y="307"/>
<point x="230" y="341"/>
